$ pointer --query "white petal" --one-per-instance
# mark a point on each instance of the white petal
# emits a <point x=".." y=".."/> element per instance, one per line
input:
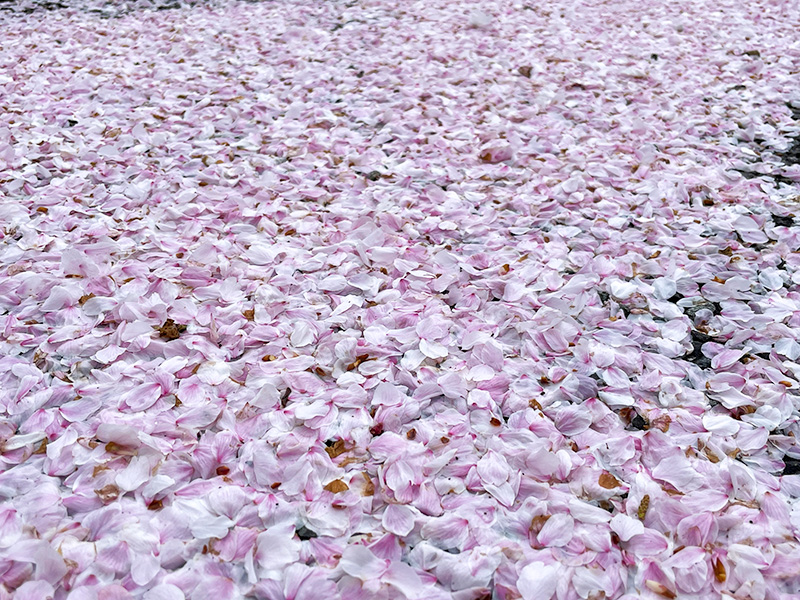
<point x="587" y="513"/>
<point x="134" y="475"/>
<point x="109" y="354"/>
<point x="614" y="400"/>
<point x="626" y="527"/>
<point x="621" y="289"/>
<point x="514" y="291"/>
<point x="208" y="527"/>
<point x="333" y="283"/>
<point x="677" y="470"/>
<point x="164" y="591"/>
<point x="664" y="288"/>
<point x="537" y="581"/>
<point x="412" y="360"/>
<point x="720" y="424"/>
<point x="504" y="493"/>
<point x="302" y="335"/>
<point x="277" y="548"/>
<point x="481" y="373"/>
<point x="405" y="579"/>
<point x="305" y="412"/>
<point x="157" y="484"/>
<point x="214" y="372"/>
<point x="227" y="501"/>
<point x="788" y="347"/>
<point x="359" y="562"/>
<point x="433" y="349"/>
<point x="20" y="441"/>
<point x="143" y="568"/>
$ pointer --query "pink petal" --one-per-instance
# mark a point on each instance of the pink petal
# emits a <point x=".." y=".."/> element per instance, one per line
<point x="677" y="471"/>
<point x="573" y="420"/>
<point x="557" y="531"/>
<point x="49" y="565"/>
<point x="649" y="543"/>
<point x="34" y="590"/>
<point x="726" y="358"/>
<point x="387" y="394"/>
<point x="398" y="519"/>
<point x="448" y="531"/>
<point x="493" y="469"/>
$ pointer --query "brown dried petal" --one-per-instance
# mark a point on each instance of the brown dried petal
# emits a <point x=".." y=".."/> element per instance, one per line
<point x="369" y="487"/>
<point x="108" y="493"/>
<point x="336" y="449"/>
<point x="170" y="330"/>
<point x="608" y="481"/>
<point x="336" y="486"/>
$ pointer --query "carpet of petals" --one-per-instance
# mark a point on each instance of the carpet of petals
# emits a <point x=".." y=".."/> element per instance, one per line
<point x="376" y="299"/>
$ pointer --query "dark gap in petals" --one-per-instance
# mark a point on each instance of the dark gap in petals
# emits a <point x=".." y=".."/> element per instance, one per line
<point x="782" y="221"/>
<point x="304" y="533"/>
<point x="792" y="155"/>
<point x="696" y="356"/>
<point x="792" y="465"/>
<point x="638" y="423"/>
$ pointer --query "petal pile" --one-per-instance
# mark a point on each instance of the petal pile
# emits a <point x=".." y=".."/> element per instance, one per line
<point x="375" y="300"/>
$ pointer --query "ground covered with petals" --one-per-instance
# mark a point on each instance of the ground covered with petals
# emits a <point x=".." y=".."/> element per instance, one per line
<point x="369" y="299"/>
